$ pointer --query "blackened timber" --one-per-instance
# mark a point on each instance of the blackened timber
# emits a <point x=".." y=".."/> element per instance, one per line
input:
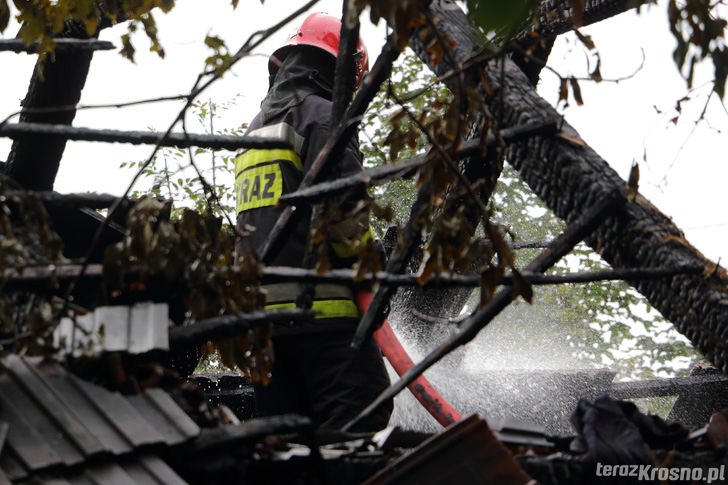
<point x="34" y="160"/>
<point x="225" y="437"/>
<point x="568" y="175"/>
<point x="554" y="17"/>
<point x="345" y="64"/>
<point x="275" y="274"/>
<point x="227" y="326"/>
<point x="17" y="45"/>
<point x="677" y="386"/>
<point x="90" y="200"/>
<point x="41" y="277"/>
<point x="340" y="136"/>
<point x="19" y="131"/>
<point x="404" y="169"/>
<point x="575" y="232"/>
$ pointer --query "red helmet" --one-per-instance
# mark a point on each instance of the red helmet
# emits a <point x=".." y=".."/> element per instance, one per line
<point x="323" y="31"/>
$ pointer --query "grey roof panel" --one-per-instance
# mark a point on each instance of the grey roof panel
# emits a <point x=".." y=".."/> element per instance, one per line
<point x="186" y="426"/>
<point x="109" y="474"/>
<point x="111" y="439"/>
<point x="3" y="434"/>
<point x="55" y="419"/>
<point x="10" y="466"/>
<point x="119" y="414"/>
<point x="151" y="469"/>
<point x="32" y="435"/>
<point x="147" y="470"/>
<point x="169" y="420"/>
<point x="52" y="403"/>
<point x="4" y="479"/>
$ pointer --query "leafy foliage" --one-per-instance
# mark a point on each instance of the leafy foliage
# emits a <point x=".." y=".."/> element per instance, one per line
<point x="26" y="238"/>
<point x="42" y="20"/>
<point x="191" y="260"/>
<point x="700" y="33"/>
<point x="174" y="178"/>
<point x="504" y="18"/>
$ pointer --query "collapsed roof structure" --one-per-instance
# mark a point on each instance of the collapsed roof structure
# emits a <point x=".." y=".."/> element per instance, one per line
<point x="641" y="244"/>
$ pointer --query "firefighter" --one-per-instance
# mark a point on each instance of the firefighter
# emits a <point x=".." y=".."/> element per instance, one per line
<point x="315" y="373"/>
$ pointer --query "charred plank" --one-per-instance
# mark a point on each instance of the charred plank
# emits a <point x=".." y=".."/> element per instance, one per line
<point x="20" y="131"/>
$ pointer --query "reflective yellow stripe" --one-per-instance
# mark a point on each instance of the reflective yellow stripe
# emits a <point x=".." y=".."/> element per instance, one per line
<point x="324" y="308"/>
<point x="258" y="187"/>
<point x="348" y="250"/>
<point x="251" y="158"/>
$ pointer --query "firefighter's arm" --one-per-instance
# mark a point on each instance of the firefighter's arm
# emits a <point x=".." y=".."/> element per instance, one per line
<point x="351" y="229"/>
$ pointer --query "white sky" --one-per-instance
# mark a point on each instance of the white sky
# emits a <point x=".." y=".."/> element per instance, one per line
<point x="618" y="120"/>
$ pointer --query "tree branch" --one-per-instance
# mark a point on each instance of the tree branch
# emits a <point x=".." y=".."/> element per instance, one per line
<point x="90" y="200"/>
<point x="227" y="326"/>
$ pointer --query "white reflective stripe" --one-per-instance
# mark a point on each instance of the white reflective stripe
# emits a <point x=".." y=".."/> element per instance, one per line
<point x="283" y="131"/>
<point x="287" y="292"/>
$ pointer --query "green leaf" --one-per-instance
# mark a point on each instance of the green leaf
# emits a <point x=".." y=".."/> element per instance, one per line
<point x="214" y="42"/>
<point x="499" y="15"/>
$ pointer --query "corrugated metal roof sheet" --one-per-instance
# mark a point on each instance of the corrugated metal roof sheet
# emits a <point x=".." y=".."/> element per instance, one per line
<point x="135" y="329"/>
<point x="146" y="469"/>
<point x="56" y="419"/>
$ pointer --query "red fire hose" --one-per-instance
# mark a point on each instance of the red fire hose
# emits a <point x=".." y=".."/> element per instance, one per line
<point x="421" y="388"/>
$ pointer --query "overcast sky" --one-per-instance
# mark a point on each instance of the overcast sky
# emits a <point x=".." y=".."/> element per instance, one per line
<point x="684" y="173"/>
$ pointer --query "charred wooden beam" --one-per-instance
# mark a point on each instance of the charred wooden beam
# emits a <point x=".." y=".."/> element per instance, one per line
<point x="570" y="177"/>
<point x="33" y="160"/>
<point x="46" y="277"/>
<point x="345" y="60"/>
<point x="90" y="200"/>
<point x="533" y="45"/>
<point x="226" y="437"/>
<point x="555" y="16"/>
<point x="677" y="386"/>
<point x="227" y="326"/>
<point x="20" y="131"/>
<point x="18" y="46"/>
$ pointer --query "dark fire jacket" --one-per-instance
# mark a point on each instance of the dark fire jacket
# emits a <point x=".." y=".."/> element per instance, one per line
<point x="263" y="175"/>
